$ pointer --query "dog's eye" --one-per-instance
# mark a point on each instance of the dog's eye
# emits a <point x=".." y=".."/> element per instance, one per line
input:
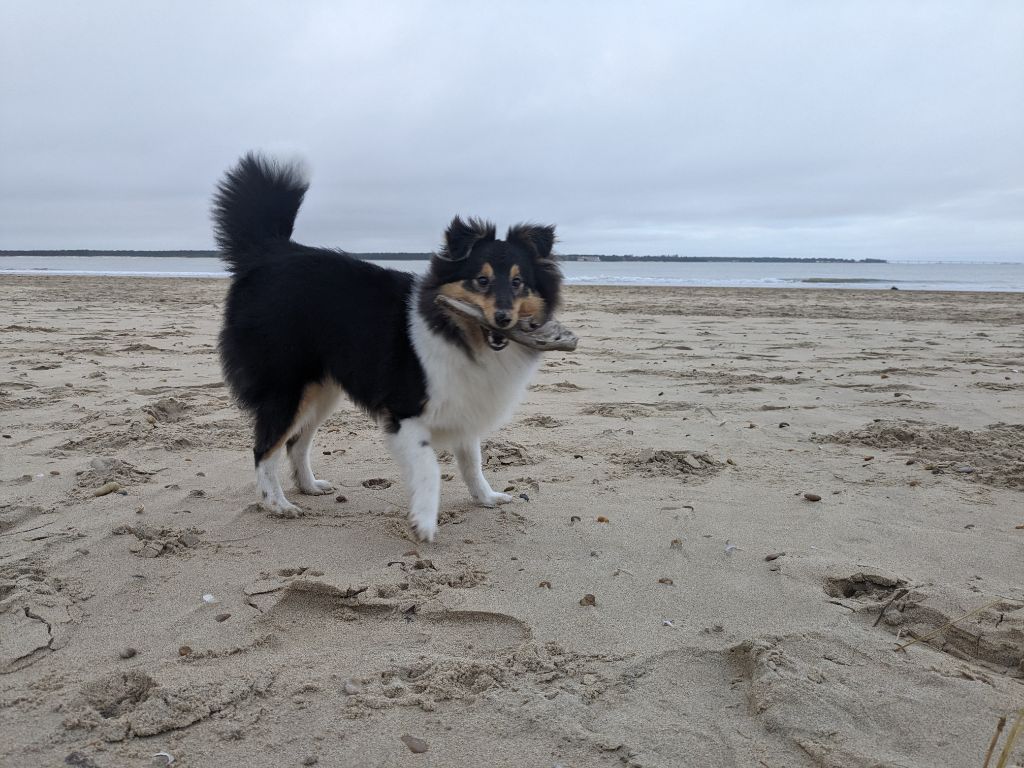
<point x="517" y="282"/>
<point x="483" y="282"/>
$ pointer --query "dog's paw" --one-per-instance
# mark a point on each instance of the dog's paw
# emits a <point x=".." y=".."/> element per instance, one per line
<point x="423" y="522"/>
<point x="423" y="531"/>
<point x="318" y="488"/>
<point x="283" y="508"/>
<point x="493" y="499"/>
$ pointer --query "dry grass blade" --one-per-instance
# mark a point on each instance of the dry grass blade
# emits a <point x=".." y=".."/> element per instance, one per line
<point x="947" y="625"/>
<point x="1011" y="738"/>
<point x="995" y="740"/>
<point x="550" y="337"/>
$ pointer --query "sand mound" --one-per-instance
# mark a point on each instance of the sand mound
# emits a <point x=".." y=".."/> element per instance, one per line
<point x="108" y="469"/>
<point x="166" y="409"/>
<point x="504" y="453"/>
<point x="654" y="463"/>
<point x="994" y="455"/>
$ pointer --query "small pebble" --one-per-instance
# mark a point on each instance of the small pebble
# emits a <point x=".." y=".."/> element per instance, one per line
<point x="676" y="544"/>
<point x="812" y="497"/>
<point x="350" y="687"/>
<point x="574" y="519"/>
<point x="184" y="650"/>
<point x="965" y="470"/>
<point x="666" y="580"/>
<point x="222" y="616"/>
<point x="7" y="437"/>
<point x="783" y="424"/>
<point x="773" y="556"/>
<point x="127" y="653"/>
<point x="415" y="745"/>
<point x="311" y="759"/>
<point x="54" y="472"/>
<point x="730" y="462"/>
<point x="341" y="498"/>
<point x="602" y="519"/>
<point x="545" y="584"/>
<point x="588" y="599"/>
<point x="82" y="551"/>
<point x="139" y="510"/>
<point x="524" y="497"/>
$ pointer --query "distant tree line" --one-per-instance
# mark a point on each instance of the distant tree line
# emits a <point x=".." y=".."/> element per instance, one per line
<point x="426" y="256"/>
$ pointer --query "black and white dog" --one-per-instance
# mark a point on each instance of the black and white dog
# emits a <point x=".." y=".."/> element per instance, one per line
<point x="304" y="325"/>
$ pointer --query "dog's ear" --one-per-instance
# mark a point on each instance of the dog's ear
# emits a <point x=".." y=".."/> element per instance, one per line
<point x="461" y="236"/>
<point x="536" y="238"/>
<point x="539" y="240"/>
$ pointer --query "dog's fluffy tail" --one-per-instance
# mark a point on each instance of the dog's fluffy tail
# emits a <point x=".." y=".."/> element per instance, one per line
<point x="255" y="205"/>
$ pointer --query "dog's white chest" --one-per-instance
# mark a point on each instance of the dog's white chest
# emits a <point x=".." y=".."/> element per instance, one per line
<point x="469" y="397"/>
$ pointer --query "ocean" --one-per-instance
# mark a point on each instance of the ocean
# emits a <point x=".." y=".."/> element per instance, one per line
<point x="914" y="276"/>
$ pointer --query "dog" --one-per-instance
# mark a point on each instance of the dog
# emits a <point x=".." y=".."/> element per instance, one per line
<point x="304" y="326"/>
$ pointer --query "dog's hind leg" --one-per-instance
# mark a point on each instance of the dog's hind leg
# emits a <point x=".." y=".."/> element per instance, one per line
<point x="318" y="402"/>
<point x="467" y="454"/>
<point x="410" y="445"/>
<point x="273" y="423"/>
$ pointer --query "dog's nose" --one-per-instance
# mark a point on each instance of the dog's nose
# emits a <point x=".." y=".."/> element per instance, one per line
<point x="502" y="318"/>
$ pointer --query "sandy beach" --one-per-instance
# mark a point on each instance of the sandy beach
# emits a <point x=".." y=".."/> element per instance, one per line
<point x="731" y="507"/>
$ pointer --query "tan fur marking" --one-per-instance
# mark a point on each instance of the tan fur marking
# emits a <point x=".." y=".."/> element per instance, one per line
<point x="472" y="330"/>
<point x="487" y="270"/>
<point x="310" y="395"/>
<point x="514" y="272"/>
<point x="530" y="306"/>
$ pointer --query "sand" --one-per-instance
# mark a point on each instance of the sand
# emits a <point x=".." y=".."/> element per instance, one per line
<point x="655" y="469"/>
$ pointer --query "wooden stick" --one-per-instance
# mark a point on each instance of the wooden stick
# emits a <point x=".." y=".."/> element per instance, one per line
<point x="949" y="624"/>
<point x="550" y="337"/>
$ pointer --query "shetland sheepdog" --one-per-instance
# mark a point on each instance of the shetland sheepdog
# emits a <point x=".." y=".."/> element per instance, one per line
<point x="304" y="326"/>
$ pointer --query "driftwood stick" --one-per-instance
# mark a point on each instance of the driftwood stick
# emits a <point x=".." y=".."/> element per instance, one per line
<point x="550" y="337"/>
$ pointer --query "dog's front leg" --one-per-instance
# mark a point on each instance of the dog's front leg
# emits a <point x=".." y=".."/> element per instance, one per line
<point x="467" y="454"/>
<point x="411" y="447"/>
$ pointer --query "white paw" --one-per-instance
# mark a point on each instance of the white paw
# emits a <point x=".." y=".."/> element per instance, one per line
<point x="424" y="524"/>
<point x="493" y="499"/>
<point x="318" y="488"/>
<point x="283" y="508"/>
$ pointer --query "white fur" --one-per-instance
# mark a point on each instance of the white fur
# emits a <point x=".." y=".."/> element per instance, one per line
<point x="270" y="486"/>
<point x="467" y="397"/>
<point x="412" y="450"/>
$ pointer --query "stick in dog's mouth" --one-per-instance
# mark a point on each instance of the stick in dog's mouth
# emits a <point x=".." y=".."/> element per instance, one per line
<point x="552" y="335"/>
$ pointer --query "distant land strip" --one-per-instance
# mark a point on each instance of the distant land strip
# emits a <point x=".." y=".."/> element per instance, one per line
<point x="426" y="257"/>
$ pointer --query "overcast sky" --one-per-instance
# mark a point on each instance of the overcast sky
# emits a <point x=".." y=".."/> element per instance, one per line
<point x="804" y="128"/>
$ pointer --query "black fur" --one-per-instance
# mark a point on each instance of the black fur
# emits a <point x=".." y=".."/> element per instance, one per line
<point x="297" y="315"/>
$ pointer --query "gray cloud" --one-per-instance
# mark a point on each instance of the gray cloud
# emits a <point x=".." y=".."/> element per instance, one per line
<point x="869" y="129"/>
